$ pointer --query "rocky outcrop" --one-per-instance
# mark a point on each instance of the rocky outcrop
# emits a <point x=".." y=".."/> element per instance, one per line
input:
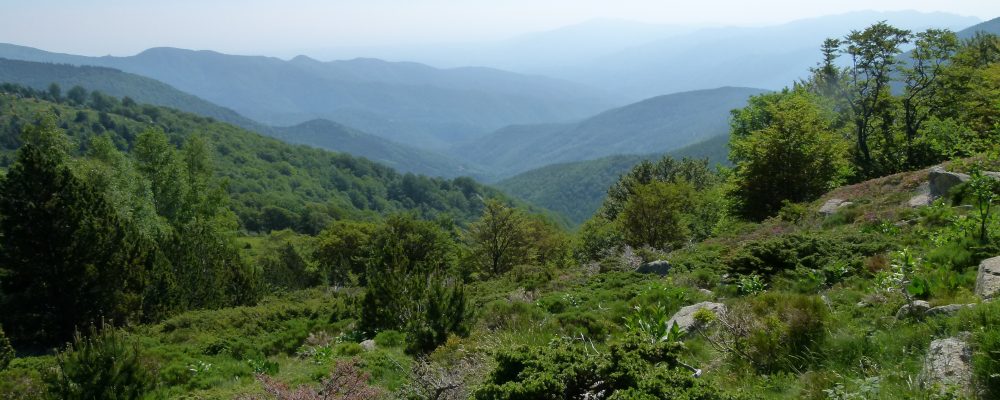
<point x="685" y="318"/>
<point x="368" y="345"/>
<point x="915" y="309"/>
<point x="949" y="309"/>
<point x="948" y="363"/>
<point x="942" y="181"/>
<point x="831" y="206"/>
<point x="659" y="267"/>
<point x="988" y="279"/>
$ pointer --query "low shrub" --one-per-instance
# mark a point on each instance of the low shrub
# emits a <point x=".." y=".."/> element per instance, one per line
<point x="104" y="365"/>
<point x="776" y="331"/>
<point x="390" y="338"/>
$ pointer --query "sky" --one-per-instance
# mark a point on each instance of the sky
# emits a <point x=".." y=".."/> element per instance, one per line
<point x="286" y="27"/>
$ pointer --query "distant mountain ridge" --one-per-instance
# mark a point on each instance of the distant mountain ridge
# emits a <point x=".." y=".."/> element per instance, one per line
<point x="654" y="125"/>
<point x="408" y="102"/>
<point x="317" y="133"/>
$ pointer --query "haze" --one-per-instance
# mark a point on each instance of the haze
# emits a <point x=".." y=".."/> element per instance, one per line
<point x="288" y="28"/>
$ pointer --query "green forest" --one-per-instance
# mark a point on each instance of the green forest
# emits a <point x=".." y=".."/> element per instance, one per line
<point x="149" y="253"/>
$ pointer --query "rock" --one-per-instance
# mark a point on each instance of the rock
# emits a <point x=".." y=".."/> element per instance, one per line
<point x="988" y="279"/>
<point x="685" y="317"/>
<point x="832" y="205"/>
<point x="948" y="363"/>
<point x="659" y="267"/>
<point x="368" y="345"/>
<point x="923" y="196"/>
<point x="947" y="310"/>
<point x="706" y="292"/>
<point x="920" y="200"/>
<point x="942" y="181"/>
<point x="992" y="174"/>
<point x="915" y="309"/>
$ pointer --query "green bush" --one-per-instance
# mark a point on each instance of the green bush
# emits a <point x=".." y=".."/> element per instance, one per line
<point x="390" y="338"/>
<point x="632" y="369"/>
<point x="982" y="321"/>
<point x="778" y="331"/>
<point x="104" y="365"/>
<point x="6" y="352"/>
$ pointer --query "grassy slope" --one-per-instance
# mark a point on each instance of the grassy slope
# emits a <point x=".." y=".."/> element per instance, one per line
<point x="576" y="189"/>
<point x="521" y="308"/>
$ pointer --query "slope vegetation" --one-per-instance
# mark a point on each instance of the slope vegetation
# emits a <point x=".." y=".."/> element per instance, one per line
<point x="575" y="190"/>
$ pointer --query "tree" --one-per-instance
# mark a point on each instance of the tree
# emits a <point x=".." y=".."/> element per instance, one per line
<point x="69" y="258"/>
<point x="77" y="95"/>
<point x="934" y="47"/>
<point x="658" y="215"/>
<point x="6" y="351"/>
<point x="784" y="150"/>
<point x="695" y="172"/>
<point x="873" y="53"/>
<point x="500" y="238"/>
<point x="341" y="250"/>
<point x="55" y="92"/>
<point x="409" y="284"/>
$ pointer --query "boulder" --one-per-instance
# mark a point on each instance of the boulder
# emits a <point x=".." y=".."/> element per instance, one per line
<point x="659" y="267"/>
<point x="923" y="196"/>
<point x="988" y="279"/>
<point x="915" y="309"/>
<point x="949" y="309"/>
<point x="942" y="181"/>
<point x="831" y="206"/>
<point x="948" y="363"/>
<point x="685" y="317"/>
<point x="368" y="345"/>
<point x="706" y="292"/>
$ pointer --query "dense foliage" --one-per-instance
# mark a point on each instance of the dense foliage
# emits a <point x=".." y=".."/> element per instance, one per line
<point x="272" y="185"/>
<point x="885" y="112"/>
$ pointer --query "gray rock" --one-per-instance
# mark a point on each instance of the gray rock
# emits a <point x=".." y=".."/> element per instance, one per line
<point x="949" y="309"/>
<point x="942" y="181"/>
<point x="916" y="309"/>
<point x="368" y="345"/>
<point x="685" y="317"/>
<point x="831" y="206"/>
<point x="988" y="279"/>
<point x="659" y="267"/>
<point x="948" y="363"/>
<point x="922" y="198"/>
<point x="706" y="292"/>
<point x="992" y="174"/>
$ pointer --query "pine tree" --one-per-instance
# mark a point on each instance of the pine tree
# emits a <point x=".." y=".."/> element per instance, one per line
<point x="69" y="260"/>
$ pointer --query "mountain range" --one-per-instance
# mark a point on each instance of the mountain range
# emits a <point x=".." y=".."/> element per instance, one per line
<point x="407" y="102"/>
<point x="324" y="134"/>
<point x="655" y="125"/>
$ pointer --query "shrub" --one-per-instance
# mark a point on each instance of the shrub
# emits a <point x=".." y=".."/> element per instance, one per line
<point x="390" y="338"/>
<point x="347" y="381"/>
<point x="6" y="352"/>
<point x="632" y="369"/>
<point x="104" y="365"/>
<point x="776" y="331"/>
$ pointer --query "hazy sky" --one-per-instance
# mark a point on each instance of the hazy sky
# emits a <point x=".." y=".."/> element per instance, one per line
<point x="282" y="28"/>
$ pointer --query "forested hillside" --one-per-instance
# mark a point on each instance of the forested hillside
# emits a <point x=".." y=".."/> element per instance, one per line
<point x="317" y="133"/>
<point x="659" y="124"/>
<point x="577" y="189"/>
<point x="273" y="185"/>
